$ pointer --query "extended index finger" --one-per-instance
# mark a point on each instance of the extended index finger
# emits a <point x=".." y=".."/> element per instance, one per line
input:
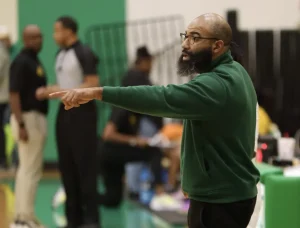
<point x="59" y="94"/>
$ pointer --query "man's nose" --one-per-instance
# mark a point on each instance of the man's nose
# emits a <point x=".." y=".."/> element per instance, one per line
<point x="185" y="44"/>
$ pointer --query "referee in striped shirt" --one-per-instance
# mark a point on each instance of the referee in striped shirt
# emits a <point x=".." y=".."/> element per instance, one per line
<point x="76" y="131"/>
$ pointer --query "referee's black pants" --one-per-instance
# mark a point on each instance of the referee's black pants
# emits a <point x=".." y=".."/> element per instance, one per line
<point x="76" y="132"/>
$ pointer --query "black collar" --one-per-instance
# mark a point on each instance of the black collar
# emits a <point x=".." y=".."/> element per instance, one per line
<point x="72" y="46"/>
<point x="30" y="52"/>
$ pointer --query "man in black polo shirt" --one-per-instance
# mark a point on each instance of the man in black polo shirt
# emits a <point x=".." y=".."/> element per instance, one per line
<point x="28" y="122"/>
<point x="76" y="132"/>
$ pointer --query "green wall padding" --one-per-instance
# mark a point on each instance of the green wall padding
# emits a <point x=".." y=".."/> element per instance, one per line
<point x="265" y="170"/>
<point x="282" y="202"/>
<point x="44" y="14"/>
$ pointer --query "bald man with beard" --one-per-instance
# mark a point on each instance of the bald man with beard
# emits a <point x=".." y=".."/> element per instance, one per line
<point x="29" y="126"/>
<point x="218" y="108"/>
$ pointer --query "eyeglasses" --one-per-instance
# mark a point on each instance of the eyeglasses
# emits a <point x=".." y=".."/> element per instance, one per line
<point x="194" y="38"/>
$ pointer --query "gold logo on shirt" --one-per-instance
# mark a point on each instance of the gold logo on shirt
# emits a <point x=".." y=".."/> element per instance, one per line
<point x="40" y="71"/>
<point x="132" y="120"/>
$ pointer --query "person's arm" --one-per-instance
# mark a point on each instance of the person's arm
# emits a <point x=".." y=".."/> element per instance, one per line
<point x="15" y="105"/>
<point x="16" y="84"/>
<point x="111" y="132"/>
<point x="43" y="92"/>
<point x="53" y="88"/>
<point x="88" y="61"/>
<point x="201" y="98"/>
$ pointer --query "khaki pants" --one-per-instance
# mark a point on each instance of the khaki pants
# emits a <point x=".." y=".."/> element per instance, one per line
<point x="31" y="160"/>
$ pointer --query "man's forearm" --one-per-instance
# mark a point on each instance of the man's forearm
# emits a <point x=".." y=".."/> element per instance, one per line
<point x="15" y="105"/>
<point x="139" y="100"/>
<point x="53" y="89"/>
<point x="159" y="110"/>
<point x="194" y="100"/>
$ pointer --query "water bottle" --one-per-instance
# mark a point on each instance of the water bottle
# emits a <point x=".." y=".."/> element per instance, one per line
<point x="165" y="176"/>
<point x="146" y="192"/>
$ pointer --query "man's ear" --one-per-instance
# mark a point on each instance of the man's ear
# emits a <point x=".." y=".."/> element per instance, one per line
<point x="217" y="46"/>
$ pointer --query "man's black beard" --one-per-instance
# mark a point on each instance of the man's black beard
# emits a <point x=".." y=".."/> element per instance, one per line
<point x="198" y="62"/>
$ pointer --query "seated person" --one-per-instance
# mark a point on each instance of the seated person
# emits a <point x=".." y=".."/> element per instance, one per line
<point x="120" y="146"/>
<point x="121" y="143"/>
<point x="139" y="75"/>
<point x="169" y="140"/>
<point x="147" y="129"/>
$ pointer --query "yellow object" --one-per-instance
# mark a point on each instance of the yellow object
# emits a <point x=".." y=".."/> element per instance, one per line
<point x="9" y="142"/>
<point x="40" y="71"/>
<point x="265" y="122"/>
<point x="9" y="199"/>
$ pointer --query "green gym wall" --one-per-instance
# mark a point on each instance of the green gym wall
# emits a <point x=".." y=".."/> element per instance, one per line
<point x="44" y="14"/>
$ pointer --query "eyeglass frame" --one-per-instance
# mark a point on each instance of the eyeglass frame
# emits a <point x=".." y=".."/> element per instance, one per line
<point x="195" y="37"/>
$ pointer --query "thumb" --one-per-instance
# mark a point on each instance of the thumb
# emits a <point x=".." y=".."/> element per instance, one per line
<point x="57" y="94"/>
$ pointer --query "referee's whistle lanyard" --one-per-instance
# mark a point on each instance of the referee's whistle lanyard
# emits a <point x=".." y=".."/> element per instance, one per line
<point x="61" y="62"/>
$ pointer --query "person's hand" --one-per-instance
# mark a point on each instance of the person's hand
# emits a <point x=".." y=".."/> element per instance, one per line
<point x="41" y="93"/>
<point x="76" y="97"/>
<point x="185" y="194"/>
<point x="139" y="142"/>
<point x="142" y="142"/>
<point x="23" y="134"/>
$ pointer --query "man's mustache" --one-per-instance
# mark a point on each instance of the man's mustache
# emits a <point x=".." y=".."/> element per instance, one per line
<point x="187" y="52"/>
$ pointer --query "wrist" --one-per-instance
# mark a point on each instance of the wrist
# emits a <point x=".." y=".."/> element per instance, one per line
<point x="98" y="93"/>
<point x="132" y="142"/>
<point x="21" y="124"/>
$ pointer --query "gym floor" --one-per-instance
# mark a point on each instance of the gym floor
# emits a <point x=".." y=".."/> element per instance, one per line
<point x="127" y="215"/>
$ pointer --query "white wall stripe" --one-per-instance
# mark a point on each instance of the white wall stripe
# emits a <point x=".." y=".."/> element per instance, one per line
<point x="255" y="14"/>
<point x="9" y="17"/>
